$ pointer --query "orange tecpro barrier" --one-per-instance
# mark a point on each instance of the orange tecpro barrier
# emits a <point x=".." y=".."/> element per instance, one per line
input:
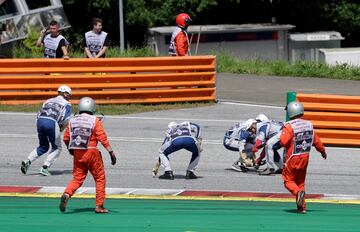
<point x="109" y="80"/>
<point x="336" y="118"/>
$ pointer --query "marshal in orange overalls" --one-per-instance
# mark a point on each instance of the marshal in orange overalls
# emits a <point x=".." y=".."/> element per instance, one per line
<point x="297" y="138"/>
<point x="81" y="136"/>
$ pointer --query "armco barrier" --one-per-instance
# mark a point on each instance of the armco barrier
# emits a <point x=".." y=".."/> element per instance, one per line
<point x="110" y="80"/>
<point x="336" y="118"/>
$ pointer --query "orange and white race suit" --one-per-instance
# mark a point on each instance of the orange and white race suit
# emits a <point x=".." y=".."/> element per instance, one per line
<point x="298" y="136"/>
<point x="179" y="43"/>
<point x="82" y="135"/>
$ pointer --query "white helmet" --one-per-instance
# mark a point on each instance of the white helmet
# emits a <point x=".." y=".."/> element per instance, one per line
<point x="86" y="104"/>
<point x="249" y="122"/>
<point x="172" y="124"/>
<point x="64" y="89"/>
<point x="262" y="118"/>
<point x="294" y="109"/>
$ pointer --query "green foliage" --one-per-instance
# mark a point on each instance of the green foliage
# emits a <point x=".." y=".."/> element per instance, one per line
<point x="150" y="13"/>
<point x="130" y="52"/>
<point x="23" y="52"/>
<point x="344" y="14"/>
<point x="139" y="15"/>
<point x="30" y="41"/>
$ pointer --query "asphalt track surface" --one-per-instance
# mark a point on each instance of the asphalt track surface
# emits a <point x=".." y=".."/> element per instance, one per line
<point x="136" y="139"/>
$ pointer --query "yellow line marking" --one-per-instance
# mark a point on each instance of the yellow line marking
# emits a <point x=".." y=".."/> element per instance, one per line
<point x="201" y="198"/>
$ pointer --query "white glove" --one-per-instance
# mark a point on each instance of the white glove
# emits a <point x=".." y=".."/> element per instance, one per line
<point x="199" y="144"/>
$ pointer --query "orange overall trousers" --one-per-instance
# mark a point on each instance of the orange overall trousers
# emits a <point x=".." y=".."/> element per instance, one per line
<point x="294" y="172"/>
<point x="89" y="160"/>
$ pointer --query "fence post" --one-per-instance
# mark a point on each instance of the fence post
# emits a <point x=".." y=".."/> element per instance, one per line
<point x="290" y="97"/>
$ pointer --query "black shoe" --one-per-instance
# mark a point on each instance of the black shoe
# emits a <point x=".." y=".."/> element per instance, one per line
<point x="190" y="175"/>
<point x="279" y="171"/>
<point x="63" y="202"/>
<point x="168" y="175"/>
<point x="25" y="164"/>
<point x="300" y="199"/>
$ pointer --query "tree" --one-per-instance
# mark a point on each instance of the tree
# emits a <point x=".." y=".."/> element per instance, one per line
<point x="139" y="15"/>
<point x="344" y="16"/>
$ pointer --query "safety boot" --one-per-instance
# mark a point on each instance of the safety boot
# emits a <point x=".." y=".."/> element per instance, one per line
<point x="101" y="209"/>
<point x="25" y="164"/>
<point x="63" y="202"/>
<point x="300" y="199"/>
<point x="44" y="171"/>
<point x="168" y="175"/>
<point x="190" y="175"/>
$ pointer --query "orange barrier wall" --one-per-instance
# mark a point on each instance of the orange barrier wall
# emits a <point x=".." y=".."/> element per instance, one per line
<point x="110" y="80"/>
<point x="336" y="118"/>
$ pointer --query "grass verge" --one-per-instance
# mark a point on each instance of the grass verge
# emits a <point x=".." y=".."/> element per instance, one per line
<point x="230" y="64"/>
<point x="115" y="109"/>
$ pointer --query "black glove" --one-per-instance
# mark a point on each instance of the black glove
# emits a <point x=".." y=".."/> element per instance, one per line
<point x="71" y="151"/>
<point x="113" y="157"/>
<point x="324" y="155"/>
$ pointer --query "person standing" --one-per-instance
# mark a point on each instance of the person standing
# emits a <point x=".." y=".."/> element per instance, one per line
<point x="297" y="137"/>
<point x="179" y="43"/>
<point x="55" y="45"/>
<point x="81" y="136"/>
<point x="185" y="135"/>
<point x="51" y="120"/>
<point x="96" y="40"/>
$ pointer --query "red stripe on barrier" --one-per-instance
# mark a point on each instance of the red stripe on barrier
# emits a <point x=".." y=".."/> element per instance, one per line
<point x="18" y="189"/>
<point x="244" y="194"/>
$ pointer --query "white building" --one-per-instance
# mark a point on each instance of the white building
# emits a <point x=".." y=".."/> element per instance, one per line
<point x="247" y="41"/>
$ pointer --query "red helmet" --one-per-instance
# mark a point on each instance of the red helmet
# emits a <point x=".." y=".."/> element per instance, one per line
<point x="183" y="20"/>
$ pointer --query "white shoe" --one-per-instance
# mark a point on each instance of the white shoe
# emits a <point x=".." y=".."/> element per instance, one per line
<point x="44" y="172"/>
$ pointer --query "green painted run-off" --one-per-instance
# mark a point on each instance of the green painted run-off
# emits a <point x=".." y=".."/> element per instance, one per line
<point x="42" y="214"/>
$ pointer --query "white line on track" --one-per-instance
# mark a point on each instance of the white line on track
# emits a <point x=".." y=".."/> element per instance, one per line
<point x="143" y="118"/>
<point x="125" y="139"/>
<point x="250" y="104"/>
<point x="168" y="118"/>
<point x="153" y="140"/>
<point x="172" y="119"/>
